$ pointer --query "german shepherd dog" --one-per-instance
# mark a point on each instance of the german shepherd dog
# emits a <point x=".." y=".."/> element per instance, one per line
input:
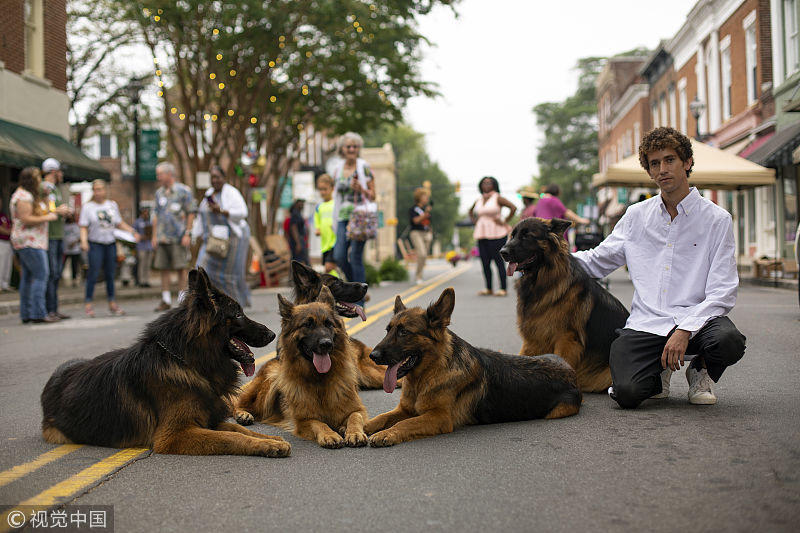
<point x="171" y="390"/>
<point x="560" y="309"/>
<point x="450" y="383"/>
<point x="312" y="388"/>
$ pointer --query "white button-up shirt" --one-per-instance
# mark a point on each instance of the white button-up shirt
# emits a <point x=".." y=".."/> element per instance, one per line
<point x="683" y="270"/>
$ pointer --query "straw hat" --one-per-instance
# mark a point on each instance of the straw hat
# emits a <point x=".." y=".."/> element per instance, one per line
<point x="528" y="192"/>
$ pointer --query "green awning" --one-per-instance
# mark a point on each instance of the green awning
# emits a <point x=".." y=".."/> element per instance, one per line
<point x="21" y="147"/>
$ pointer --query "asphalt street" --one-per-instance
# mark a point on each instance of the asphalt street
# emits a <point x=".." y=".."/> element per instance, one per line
<point x="667" y="466"/>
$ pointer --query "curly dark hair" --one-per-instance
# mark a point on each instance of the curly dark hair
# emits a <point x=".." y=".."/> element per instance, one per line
<point x="662" y="138"/>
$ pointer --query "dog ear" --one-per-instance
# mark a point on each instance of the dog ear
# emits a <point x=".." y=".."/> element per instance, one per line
<point x="303" y="275"/>
<point x="439" y="313"/>
<point x="285" y="307"/>
<point x="398" y="305"/>
<point x="326" y="298"/>
<point x="200" y="286"/>
<point x="559" y="226"/>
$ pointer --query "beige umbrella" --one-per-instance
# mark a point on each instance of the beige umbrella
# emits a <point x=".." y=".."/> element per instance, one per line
<point x="713" y="169"/>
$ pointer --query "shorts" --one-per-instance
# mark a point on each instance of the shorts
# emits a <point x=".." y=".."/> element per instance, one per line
<point x="171" y="256"/>
<point x="327" y="257"/>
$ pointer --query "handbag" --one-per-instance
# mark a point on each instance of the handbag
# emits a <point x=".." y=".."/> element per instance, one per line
<point x="218" y="242"/>
<point x="363" y="222"/>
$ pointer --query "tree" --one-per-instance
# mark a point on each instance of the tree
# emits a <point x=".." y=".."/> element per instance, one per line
<point x="568" y="155"/>
<point x="414" y="167"/>
<point x="255" y="74"/>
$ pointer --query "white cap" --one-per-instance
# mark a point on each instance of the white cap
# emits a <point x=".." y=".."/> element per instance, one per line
<point x="50" y="164"/>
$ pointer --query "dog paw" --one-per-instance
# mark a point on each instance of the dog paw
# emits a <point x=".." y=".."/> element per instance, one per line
<point x="371" y="427"/>
<point x="276" y="449"/>
<point x="243" y="418"/>
<point x="355" y="440"/>
<point x="332" y="441"/>
<point x="382" y="439"/>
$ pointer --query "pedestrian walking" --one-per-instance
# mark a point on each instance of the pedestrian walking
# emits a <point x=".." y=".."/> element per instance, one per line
<point x="681" y="254"/>
<point x="221" y="224"/>
<point x="550" y="206"/>
<point x="98" y="219"/>
<point x="144" y="248"/>
<point x="355" y="186"/>
<point x="529" y="197"/>
<point x="52" y="179"/>
<point x="420" y="233"/>
<point x="72" y="248"/>
<point x="172" y="222"/>
<point x="323" y="222"/>
<point x="491" y="231"/>
<point x="297" y="234"/>
<point x="29" y="218"/>
<point x="6" y="252"/>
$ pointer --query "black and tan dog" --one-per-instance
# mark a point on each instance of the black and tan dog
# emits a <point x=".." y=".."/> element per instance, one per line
<point x="171" y="390"/>
<point x="450" y="383"/>
<point x="560" y="309"/>
<point x="312" y="389"/>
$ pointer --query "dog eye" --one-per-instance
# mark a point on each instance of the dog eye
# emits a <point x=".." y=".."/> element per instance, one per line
<point x="309" y="323"/>
<point x="329" y="324"/>
<point x="401" y="331"/>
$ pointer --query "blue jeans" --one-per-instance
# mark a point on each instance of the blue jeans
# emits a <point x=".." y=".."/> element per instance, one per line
<point x="349" y="255"/>
<point x="55" y="257"/>
<point x="101" y="256"/>
<point x="33" y="281"/>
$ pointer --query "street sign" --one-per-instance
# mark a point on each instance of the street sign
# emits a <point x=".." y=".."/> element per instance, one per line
<point x="149" y="144"/>
<point x="286" y="193"/>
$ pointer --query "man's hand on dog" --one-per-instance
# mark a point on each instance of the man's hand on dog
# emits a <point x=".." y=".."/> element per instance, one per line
<point x="675" y="350"/>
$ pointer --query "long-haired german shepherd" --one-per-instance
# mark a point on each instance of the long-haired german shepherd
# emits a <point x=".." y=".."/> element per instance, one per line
<point x="560" y="309"/>
<point x="312" y="388"/>
<point x="171" y="390"/>
<point x="450" y="383"/>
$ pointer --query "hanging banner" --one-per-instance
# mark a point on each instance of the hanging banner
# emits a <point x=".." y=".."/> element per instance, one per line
<point x="149" y="144"/>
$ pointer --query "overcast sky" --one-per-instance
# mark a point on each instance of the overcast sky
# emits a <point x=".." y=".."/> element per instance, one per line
<point x="499" y="58"/>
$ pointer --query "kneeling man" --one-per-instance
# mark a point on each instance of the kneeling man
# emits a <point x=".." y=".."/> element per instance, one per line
<point x="680" y="253"/>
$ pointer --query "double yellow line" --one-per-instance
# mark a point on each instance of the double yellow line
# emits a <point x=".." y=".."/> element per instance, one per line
<point x="90" y="476"/>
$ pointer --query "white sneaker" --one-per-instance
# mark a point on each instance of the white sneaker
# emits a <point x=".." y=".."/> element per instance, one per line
<point x="419" y="281"/>
<point x="700" y="392"/>
<point x="666" y="375"/>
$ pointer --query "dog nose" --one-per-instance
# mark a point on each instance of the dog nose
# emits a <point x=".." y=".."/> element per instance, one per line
<point x="270" y="336"/>
<point x="504" y="252"/>
<point x="325" y="344"/>
<point x="375" y="355"/>
<point x="364" y="286"/>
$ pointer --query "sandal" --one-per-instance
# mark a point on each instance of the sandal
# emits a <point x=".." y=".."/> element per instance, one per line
<point x="89" y="310"/>
<point x="115" y="310"/>
<point x="501" y="292"/>
<point x="485" y="292"/>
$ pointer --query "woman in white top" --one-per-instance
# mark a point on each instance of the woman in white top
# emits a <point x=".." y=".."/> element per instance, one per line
<point x="98" y="219"/>
<point x="223" y="214"/>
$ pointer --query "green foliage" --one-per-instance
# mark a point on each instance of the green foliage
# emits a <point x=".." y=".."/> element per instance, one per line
<point x="393" y="270"/>
<point x="372" y="275"/>
<point x="413" y="167"/>
<point x="568" y="155"/>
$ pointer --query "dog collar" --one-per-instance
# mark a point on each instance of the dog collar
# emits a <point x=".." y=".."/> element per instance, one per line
<point x="171" y="353"/>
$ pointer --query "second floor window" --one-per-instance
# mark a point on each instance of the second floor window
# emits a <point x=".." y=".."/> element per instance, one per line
<point x="751" y="62"/>
<point x="791" y="42"/>
<point x="726" y="84"/>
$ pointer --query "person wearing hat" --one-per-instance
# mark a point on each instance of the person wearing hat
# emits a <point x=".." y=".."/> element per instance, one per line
<point x="52" y="178"/>
<point x="529" y="197"/>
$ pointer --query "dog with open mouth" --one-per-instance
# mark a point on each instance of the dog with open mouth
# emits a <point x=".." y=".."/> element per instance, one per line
<point x="171" y="389"/>
<point x="313" y="385"/>
<point x="560" y="309"/>
<point x="450" y="383"/>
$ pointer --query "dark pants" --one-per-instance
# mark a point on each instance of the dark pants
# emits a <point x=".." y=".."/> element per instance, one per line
<point x="489" y="250"/>
<point x="635" y="359"/>
<point x="76" y="264"/>
<point x="55" y="258"/>
<point x="101" y="256"/>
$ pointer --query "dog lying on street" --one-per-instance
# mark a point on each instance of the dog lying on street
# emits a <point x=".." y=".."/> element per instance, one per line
<point x="170" y="390"/>
<point x="450" y="383"/>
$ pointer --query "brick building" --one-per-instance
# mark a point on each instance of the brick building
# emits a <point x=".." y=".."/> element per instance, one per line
<point x="33" y="98"/>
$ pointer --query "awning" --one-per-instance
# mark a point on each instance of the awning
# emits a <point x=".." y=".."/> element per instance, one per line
<point x="21" y="147"/>
<point x="777" y="151"/>
<point x="713" y="169"/>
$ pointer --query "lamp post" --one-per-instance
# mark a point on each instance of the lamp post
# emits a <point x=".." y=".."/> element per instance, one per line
<point x="697" y="107"/>
<point x="133" y="91"/>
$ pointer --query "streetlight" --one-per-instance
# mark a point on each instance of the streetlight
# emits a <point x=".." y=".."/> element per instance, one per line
<point x="697" y="107"/>
<point x="133" y="91"/>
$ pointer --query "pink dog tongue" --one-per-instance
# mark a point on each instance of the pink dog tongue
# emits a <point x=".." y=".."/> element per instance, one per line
<point x="512" y="267"/>
<point x="248" y="368"/>
<point x="390" y="379"/>
<point x="322" y="362"/>
<point x="361" y="313"/>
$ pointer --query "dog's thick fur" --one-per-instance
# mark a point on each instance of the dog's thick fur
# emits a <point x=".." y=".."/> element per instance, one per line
<point x="450" y="383"/>
<point x="312" y="389"/>
<point x="171" y="390"/>
<point x="560" y="309"/>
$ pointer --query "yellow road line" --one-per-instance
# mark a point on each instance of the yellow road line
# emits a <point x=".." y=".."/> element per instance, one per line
<point x="13" y="474"/>
<point x="82" y="480"/>
<point x="433" y="282"/>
